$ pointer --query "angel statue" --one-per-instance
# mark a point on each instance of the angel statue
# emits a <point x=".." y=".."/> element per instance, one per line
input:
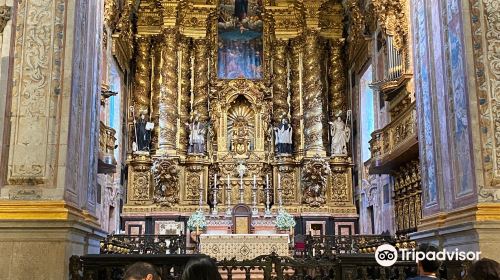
<point x="197" y="133"/>
<point x="340" y="134"/>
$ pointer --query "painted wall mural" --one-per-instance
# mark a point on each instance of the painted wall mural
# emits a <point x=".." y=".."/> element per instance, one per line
<point x="240" y="29"/>
<point x="425" y="106"/>
<point x="459" y="102"/>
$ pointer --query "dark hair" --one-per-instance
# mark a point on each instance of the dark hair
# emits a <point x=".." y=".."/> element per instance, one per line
<point x="485" y="269"/>
<point x="429" y="265"/>
<point x="140" y="270"/>
<point x="201" y="269"/>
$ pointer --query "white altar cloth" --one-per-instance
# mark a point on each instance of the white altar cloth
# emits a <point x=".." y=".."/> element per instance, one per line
<point x="243" y="246"/>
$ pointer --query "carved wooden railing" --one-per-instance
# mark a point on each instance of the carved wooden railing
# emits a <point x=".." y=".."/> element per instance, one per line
<point x="333" y="245"/>
<point x="354" y="266"/>
<point x="395" y="138"/>
<point x="112" y="266"/>
<point x="144" y="244"/>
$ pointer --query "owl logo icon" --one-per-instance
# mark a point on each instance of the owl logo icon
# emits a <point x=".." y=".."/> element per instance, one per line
<point x="386" y="255"/>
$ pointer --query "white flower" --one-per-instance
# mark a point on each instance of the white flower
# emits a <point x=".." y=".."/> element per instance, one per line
<point x="284" y="220"/>
<point x="197" y="219"/>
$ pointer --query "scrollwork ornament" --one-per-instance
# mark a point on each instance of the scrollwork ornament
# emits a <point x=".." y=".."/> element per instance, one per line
<point x="357" y="20"/>
<point x="339" y="187"/>
<point x="166" y="179"/>
<point x="123" y="37"/>
<point x="493" y="60"/>
<point x="392" y="18"/>
<point x="140" y="186"/>
<point x="315" y="173"/>
<point x="5" y="15"/>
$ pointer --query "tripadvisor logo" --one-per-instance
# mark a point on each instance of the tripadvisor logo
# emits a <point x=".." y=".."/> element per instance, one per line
<point x="387" y="255"/>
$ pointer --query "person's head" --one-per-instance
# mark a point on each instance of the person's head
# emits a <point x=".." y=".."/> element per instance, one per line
<point x="485" y="269"/>
<point x="141" y="271"/>
<point x="201" y="269"/>
<point x="426" y="266"/>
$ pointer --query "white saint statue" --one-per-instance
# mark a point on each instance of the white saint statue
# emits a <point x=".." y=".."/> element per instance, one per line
<point x="340" y="134"/>
<point x="283" y="134"/>
<point x="197" y="131"/>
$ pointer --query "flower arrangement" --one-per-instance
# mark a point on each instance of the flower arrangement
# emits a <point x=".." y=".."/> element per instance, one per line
<point x="197" y="221"/>
<point x="284" y="220"/>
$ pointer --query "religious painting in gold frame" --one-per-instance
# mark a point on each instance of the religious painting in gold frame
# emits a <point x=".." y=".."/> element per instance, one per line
<point x="240" y="39"/>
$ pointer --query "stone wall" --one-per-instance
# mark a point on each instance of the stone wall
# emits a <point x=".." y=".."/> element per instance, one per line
<point x="49" y="151"/>
<point x="457" y="83"/>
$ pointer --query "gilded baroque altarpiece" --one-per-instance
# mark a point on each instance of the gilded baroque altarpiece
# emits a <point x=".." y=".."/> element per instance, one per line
<point x="239" y="68"/>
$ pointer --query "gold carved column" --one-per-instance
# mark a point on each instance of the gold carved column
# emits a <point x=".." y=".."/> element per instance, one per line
<point x="142" y="78"/>
<point x="296" y="94"/>
<point x="200" y="99"/>
<point x="169" y="87"/>
<point x="156" y="89"/>
<point x="184" y="94"/>
<point x="313" y="101"/>
<point x="280" y="77"/>
<point x="337" y="78"/>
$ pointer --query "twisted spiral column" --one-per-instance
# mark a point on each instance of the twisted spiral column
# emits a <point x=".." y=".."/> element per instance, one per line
<point x="200" y="99"/>
<point x="296" y="77"/>
<point x="142" y="78"/>
<point x="337" y="79"/>
<point x="185" y="94"/>
<point x="156" y="88"/>
<point x="313" y="102"/>
<point x="280" y="75"/>
<point x="168" y="104"/>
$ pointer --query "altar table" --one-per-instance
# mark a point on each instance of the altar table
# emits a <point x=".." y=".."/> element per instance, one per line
<point x="243" y="246"/>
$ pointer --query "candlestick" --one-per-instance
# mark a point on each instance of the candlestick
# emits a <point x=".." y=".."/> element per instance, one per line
<point x="280" y="192"/>
<point x="228" y="190"/>
<point x="268" y="212"/>
<point x="215" y="210"/>
<point x="241" y="189"/>
<point x="255" y="210"/>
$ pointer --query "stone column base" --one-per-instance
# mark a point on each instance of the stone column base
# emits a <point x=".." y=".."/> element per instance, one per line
<point x="470" y="236"/>
<point x="41" y="249"/>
